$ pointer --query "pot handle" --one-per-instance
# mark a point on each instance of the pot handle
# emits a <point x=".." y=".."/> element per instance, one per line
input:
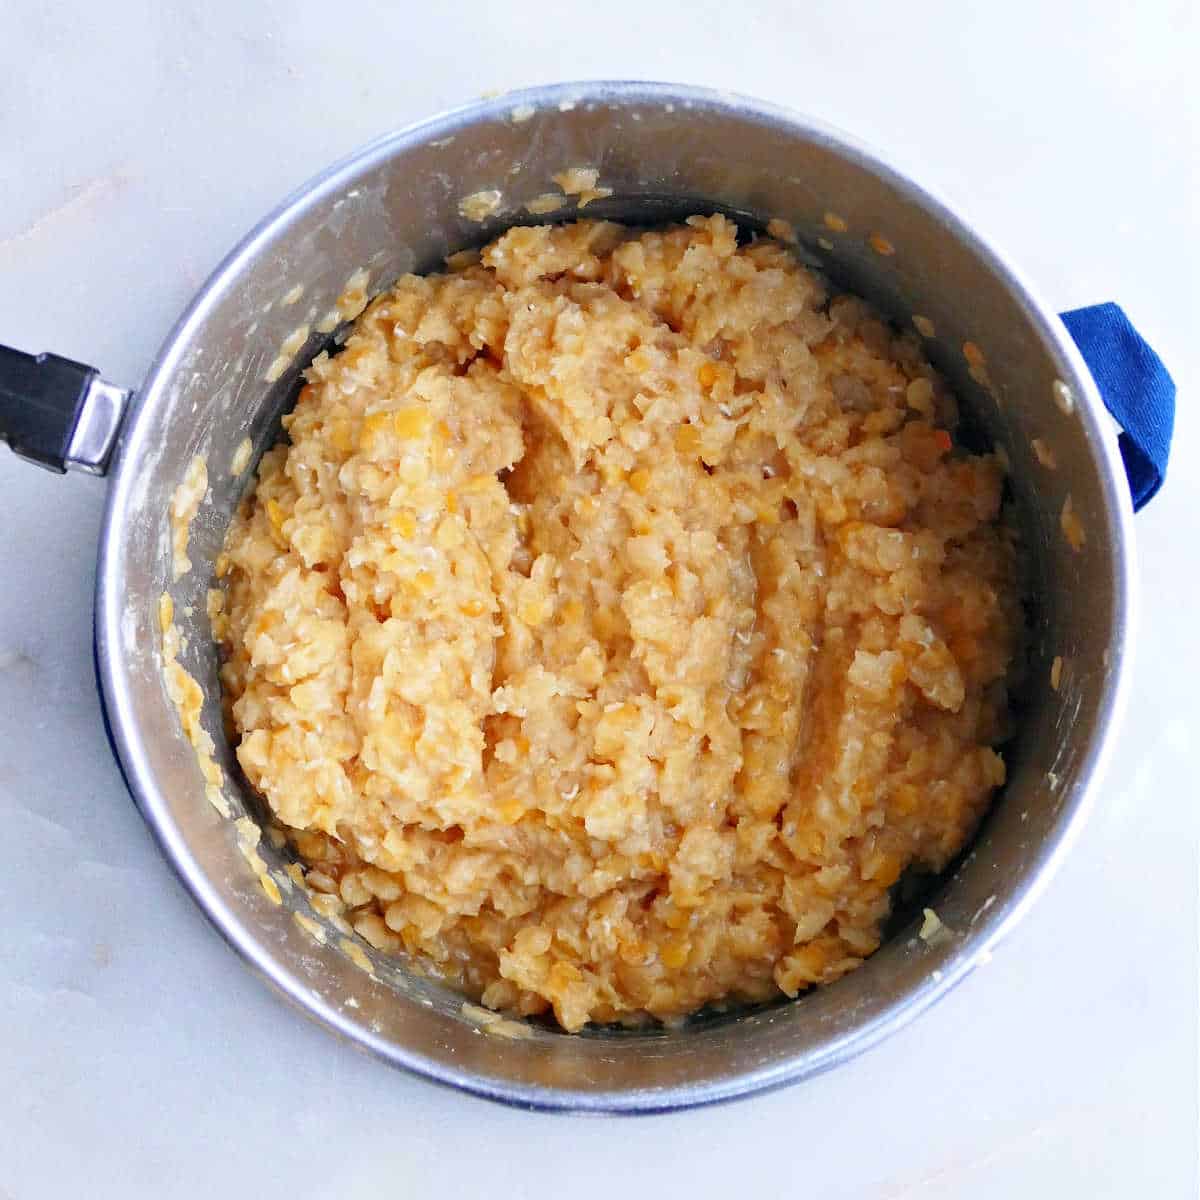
<point x="58" y="413"/>
<point x="1136" y="389"/>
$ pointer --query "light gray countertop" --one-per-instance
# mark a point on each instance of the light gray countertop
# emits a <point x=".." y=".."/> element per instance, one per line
<point x="138" y="140"/>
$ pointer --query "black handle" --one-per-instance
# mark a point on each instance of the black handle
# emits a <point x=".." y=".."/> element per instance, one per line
<point x="41" y="397"/>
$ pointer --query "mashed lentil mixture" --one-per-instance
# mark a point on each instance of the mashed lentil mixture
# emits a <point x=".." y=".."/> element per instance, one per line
<point x="619" y="621"/>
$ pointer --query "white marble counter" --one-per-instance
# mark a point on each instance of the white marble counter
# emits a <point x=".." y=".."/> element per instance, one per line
<point x="137" y="1057"/>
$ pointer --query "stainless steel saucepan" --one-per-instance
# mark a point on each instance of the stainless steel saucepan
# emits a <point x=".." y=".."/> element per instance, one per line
<point x="231" y="366"/>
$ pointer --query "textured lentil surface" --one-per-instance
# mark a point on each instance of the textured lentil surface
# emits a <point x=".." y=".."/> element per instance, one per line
<point x="619" y="622"/>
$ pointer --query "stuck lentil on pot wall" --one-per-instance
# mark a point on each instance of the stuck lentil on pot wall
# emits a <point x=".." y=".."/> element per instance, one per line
<point x="619" y="622"/>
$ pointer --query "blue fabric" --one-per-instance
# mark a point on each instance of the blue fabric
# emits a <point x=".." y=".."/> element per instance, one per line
<point x="1135" y="387"/>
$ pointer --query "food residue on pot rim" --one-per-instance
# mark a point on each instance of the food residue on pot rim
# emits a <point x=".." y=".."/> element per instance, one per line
<point x="1072" y="526"/>
<point x="248" y="837"/>
<point x="478" y="206"/>
<point x="188" y="698"/>
<point x="583" y="182"/>
<point x="313" y="928"/>
<point x="357" y="955"/>
<point x="185" y="504"/>
<point x="350" y="301"/>
<point x="782" y="230"/>
<point x="462" y="259"/>
<point x="288" y="349"/>
<point x="241" y="456"/>
<point x="934" y="931"/>
<point x="544" y="203"/>
<point x="1063" y="397"/>
<point x="579" y="181"/>
<point x="493" y="1023"/>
